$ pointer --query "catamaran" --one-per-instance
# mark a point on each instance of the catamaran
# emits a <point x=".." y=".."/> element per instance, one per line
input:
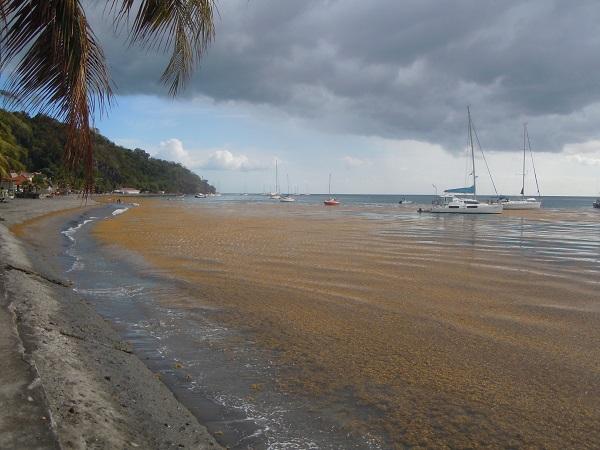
<point x="450" y="203"/>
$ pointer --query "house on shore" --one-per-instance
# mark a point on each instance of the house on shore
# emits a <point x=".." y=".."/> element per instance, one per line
<point x="20" y="182"/>
<point x="127" y="191"/>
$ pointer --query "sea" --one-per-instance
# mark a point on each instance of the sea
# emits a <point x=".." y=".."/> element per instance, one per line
<point x="184" y="342"/>
<point x="378" y="200"/>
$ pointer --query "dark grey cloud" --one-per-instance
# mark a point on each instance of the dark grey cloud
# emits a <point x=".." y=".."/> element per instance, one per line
<point x="398" y="69"/>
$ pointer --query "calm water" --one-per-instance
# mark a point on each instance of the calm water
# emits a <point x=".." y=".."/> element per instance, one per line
<point x="141" y="306"/>
<point x="352" y="200"/>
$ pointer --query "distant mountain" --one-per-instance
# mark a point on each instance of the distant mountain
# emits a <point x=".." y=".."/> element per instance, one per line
<point x="41" y="141"/>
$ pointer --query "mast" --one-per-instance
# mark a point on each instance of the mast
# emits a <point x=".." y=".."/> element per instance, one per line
<point x="537" y="185"/>
<point x="276" y="179"/>
<point x="524" y="152"/>
<point x="472" y="152"/>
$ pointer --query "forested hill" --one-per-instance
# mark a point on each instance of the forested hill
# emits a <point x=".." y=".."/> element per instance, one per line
<point x="40" y="141"/>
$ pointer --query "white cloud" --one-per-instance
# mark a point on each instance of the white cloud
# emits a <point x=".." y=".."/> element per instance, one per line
<point x="172" y="150"/>
<point x="580" y="153"/>
<point x="591" y="146"/>
<point x="221" y="159"/>
<point x="354" y="163"/>
<point x="225" y="160"/>
<point x="583" y="160"/>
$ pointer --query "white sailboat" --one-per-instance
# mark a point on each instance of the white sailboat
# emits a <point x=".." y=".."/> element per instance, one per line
<point x="288" y="197"/>
<point x="524" y="203"/>
<point x="275" y="194"/>
<point x="450" y="203"/>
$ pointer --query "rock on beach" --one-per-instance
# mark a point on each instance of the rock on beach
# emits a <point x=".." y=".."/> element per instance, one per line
<point x="68" y="380"/>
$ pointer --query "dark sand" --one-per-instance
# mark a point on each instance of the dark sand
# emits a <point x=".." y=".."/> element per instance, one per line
<point x="68" y="381"/>
<point x="444" y="346"/>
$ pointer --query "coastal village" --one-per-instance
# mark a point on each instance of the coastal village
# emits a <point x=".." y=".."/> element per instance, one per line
<point x="35" y="185"/>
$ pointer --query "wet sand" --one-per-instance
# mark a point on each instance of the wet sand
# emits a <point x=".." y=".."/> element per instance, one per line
<point x="405" y="336"/>
<point x="68" y="380"/>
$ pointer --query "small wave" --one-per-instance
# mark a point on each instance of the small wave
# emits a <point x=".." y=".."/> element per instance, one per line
<point x="71" y="231"/>
<point x="116" y="212"/>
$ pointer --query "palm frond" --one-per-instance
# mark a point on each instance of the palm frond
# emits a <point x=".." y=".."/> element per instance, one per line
<point x="63" y="72"/>
<point x="184" y="26"/>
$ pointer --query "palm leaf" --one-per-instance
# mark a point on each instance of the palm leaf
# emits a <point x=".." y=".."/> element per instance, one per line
<point x="186" y="27"/>
<point x="63" y="70"/>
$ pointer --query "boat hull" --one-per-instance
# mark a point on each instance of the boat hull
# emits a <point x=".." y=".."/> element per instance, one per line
<point x="521" y="205"/>
<point x="6" y="197"/>
<point x="481" y="208"/>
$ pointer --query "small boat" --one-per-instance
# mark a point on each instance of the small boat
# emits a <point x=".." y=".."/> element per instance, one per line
<point x="276" y="194"/>
<point x="288" y="197"/>
<point x="6" y="196"/>
<point x="523" y="203"/>
<point x="331" y="201"/>
<point x="450" y="203"/>
<point x="596" y="204"/>
<point x="200" y="195"/>
<point x="403" y="201"/>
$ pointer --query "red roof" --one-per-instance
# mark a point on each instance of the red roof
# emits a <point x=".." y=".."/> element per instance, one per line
<point x="19" y="180"/>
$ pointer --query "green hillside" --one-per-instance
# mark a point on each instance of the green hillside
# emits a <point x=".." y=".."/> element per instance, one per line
<point x="40" y="141"/>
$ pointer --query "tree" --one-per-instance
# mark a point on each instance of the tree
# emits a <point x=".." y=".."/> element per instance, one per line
<point x="62" y="70"/>
<point x="38" y="181"/>
<point x="10" y="151"/>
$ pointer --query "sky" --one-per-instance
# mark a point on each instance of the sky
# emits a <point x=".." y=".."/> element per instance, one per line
<point x="374" y="93"/>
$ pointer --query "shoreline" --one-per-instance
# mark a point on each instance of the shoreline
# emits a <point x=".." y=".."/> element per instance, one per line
<point x="493" y="357"/>
<point x="449" y="332"/>
<point x="70" y="381"/>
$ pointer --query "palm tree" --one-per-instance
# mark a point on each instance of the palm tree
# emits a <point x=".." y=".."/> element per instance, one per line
<point x="62" y="70"/>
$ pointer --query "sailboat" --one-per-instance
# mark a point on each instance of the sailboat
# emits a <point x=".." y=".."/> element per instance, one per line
<point x="288" y="197"/>
<point x="275" y="194"/>
<point x="331" y="201"/>
<point x="524" y="203"/>
<point x="450" y="203"/>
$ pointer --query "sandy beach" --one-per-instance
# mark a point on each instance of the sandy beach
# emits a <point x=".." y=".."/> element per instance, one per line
<point x="68" y="380"/>
<point x="418" y="332"/>
<point x="443" y="345"/>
